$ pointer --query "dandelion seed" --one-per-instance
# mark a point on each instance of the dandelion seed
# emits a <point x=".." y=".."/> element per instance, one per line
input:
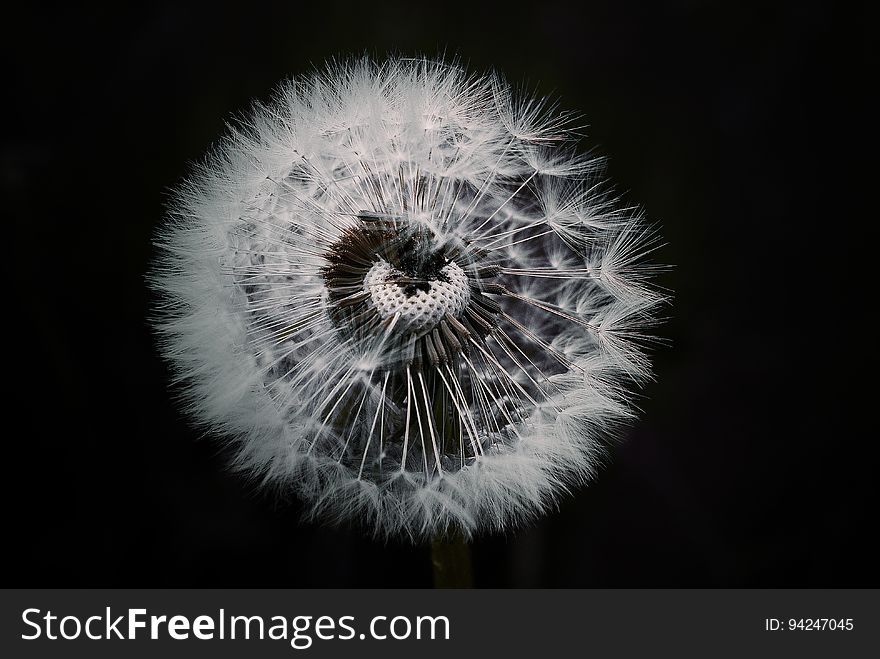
<point x="404" y="296"/>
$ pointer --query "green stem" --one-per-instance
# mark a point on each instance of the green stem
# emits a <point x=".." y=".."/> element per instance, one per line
<point x="451" y="558"/>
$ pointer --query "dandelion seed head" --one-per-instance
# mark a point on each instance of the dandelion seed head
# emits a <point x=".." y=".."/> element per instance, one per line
<point x="401" y="292"/>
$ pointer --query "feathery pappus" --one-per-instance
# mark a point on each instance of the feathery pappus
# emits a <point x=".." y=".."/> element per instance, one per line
<point x="401" y="293"/>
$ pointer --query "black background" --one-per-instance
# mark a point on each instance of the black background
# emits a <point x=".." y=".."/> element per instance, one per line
<point x="740" y="129"/>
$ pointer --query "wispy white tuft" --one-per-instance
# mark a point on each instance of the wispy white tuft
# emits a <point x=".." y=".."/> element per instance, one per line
<point x="401" y="294"/>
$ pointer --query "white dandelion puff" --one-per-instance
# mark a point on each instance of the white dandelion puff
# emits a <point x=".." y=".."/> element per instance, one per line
<point x="402" y="294"/>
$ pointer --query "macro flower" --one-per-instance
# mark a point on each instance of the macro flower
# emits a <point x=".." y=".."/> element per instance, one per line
<point x="401" y="293"/>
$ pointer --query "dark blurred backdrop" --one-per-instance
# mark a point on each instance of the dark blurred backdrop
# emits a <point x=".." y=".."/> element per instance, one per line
<point x="737" y="127"/>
